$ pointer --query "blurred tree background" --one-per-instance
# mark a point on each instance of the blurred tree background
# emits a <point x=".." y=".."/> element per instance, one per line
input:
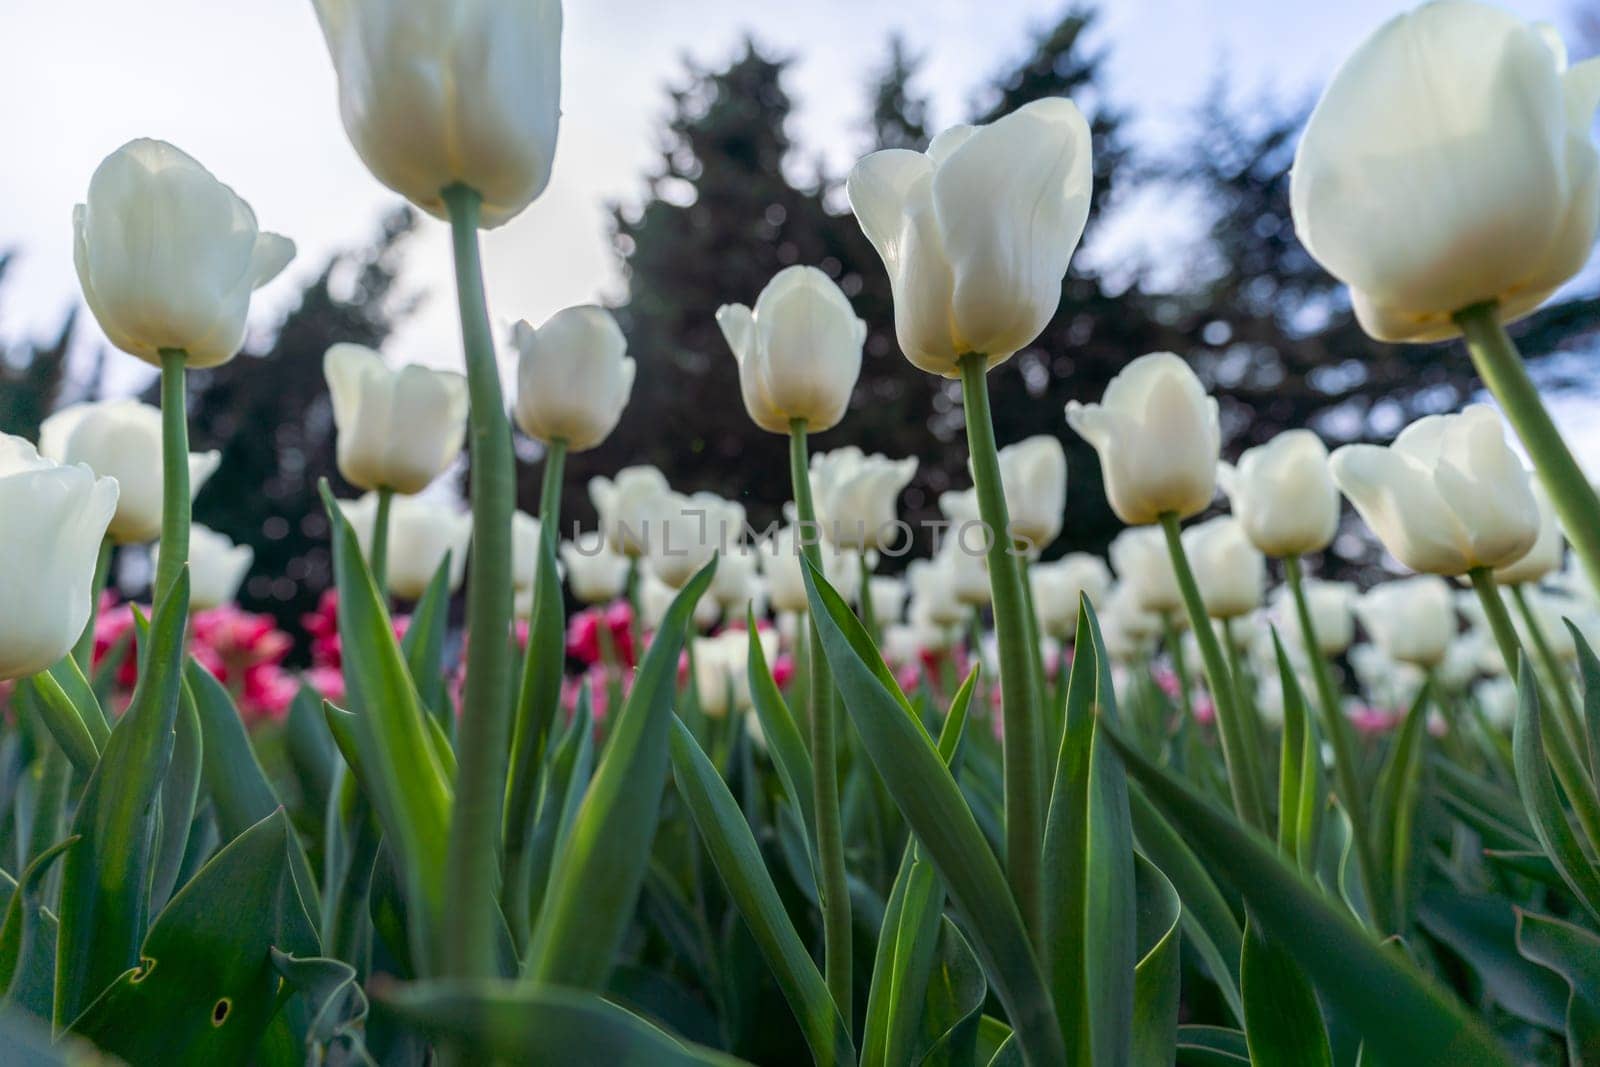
<point x="732" y="200"/>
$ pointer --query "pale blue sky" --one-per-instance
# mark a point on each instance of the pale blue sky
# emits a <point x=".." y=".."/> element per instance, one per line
<point x="245" y="86"/>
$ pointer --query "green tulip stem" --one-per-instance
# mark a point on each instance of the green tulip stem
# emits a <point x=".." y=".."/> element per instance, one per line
<point x="483" y="744"/>
<point x="833" y="891"/>
<point x="83" y="651"/>
<point x="380" y="541"/>
<point x="869" y="619"/>
<point x="1499" y="364"/>
<point x="1568" y="718"/>
<point x="555" y="466"/>
<point x="175" y="493"/>
<point x="1243" y="762"/>
<point x="1180" y="667"/>
<point x="1335" y="726"/>
<point x="1563" y="760"/>
<point x="1022" y="739"/>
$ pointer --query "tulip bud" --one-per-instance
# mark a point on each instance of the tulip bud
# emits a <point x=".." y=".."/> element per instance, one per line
<point x="573" y="377"/>
<point x="168" y="256"/>
<point x="1144" y="570"/>
<point x="782" y="551"/>
<point x="1034" y="473"/>
<point x="1448" y="496"/>
<point x="1412" y="620"/>
<point x="595" y="574"/>
<point x="436" y="94"/>
<point x="217" y="567"/>
<point x="1230" y="571"/>
<point x="1158" y="437"/>
<point x="1544" y="558"/>
<point x="799" y="351"/>
<point x="1059" y="587"/>
<point x="55" y="518"/>
<point x="888" y="596"/>
<point x="398" y="429"/>
<point x="1283" y="494"/>
<point x="121" y="439"/>
<point x="855" y="495"/>
<point x="1330" y="606"/>
<point x="1449" y="163"/>
<point x="626" y="505"/>
<point x="976" y="234"/>
<point x="421" y="532"/>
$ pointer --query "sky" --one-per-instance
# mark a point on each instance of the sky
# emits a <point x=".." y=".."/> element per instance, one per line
<point x="246" y="87"/>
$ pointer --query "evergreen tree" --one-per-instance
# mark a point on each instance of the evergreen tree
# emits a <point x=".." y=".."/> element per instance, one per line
<point x="33" y="376"/>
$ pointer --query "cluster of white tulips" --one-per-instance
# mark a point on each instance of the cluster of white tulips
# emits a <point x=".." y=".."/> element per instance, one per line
<point x="1447" y="176"/>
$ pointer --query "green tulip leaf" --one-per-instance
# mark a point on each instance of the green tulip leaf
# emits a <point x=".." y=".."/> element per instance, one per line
<point x="784" y="741"/>
<point x="335" y="1007"/>
<point x="1393" y="818"/>
<point x="1158" y="976"/>
<point x="1211" y="1046"/>
<point x="423" y="644"/>
<point x="1573" y="953"/>
<point x="28" y="939"/>
<point x="523" y="1023"/>
<point x="1482" y="930"/>
<point x="205" y="989"/>
<point x="1543" y="801"/>
<point x="1282" y="1021"/>
<point x="596" y="873"/>
<point x="179" y="792"/>
<point x="938" y="814"/>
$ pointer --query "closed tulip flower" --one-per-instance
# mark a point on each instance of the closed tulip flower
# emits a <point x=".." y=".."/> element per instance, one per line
<point x="573" y="377"/>
<point x="595" y="574"/>
<point x="977" y="232"/>
<point x="627" y="504"/>
<point x="1231" y="572"/>
<point x="738" y="577"/>
<point x="933" y="593"/>
<point x="1129" y="630"/>
<point x="121" y="439"/>
<point x="1144" y="571"/>
<point x="52" y="521"/>
<point x="1158" y="437"/>
<point x="1545" y="557"/>
<point x="217" y="567"/>
<point x="855" y="496"/>
<point x="1034" y="473"/>
<point x="1447" y="497"/>
<point x="965" y="546"/>
<point x="1283" y="494"/>
<point x="1449" y="163"/>
<point x="439" y="93"/>
<point x="656" y="597"/>
<point x="888" y="596"/>
<point x="1059" y="586"/>
<point x="1412" y="620"/>
<point x="687" y="531"/>
<point x="1330" y="604"/>
<point x="799" y="350"/>
<point x="168" y="256"/>
<point x="421" y="531"/>
<point x="781" y="563"/>
<point x="399" y="428"/>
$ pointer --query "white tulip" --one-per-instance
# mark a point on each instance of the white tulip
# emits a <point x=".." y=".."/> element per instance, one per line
<point x="887" y="595"/>
<point x="799" y="350"/>
<point x="573" y="377"/>
<point x="687" y="531"/>
<point x="721" y="670"/>
<point x="855" y="496"/>
<point x="656" y="596"/>
<point x="1034" y="474"/>
<point x="1384" y="680"/>
<point x="1448" y="496"/>
<point x="738" y="577"/>
<point x="421" y="532"/>
<point x="595" y="574"/>
<point x="1330" y="605"/>
<point x="1230" y="571"/>
<point x="121" y="439"/>
<point x="1130" y="631"/>
<point x="525" y="534"/>
<point x="1143" y="565"/>
<point x="933" y="593"/>
<point x="168" y="256"/>
<point x="1449" y="163"/>
<point x="964" y="549"/>
<point x="1498" y="700"/>
<point x="399" y="428"/>
<point x="52" y="521"/>
<point x="781" y="553"/>
<point x="1058" y="587"/>
<point x="1412" y="620"/>
<point x="217" y="567"/>
<point x="627" y="504"/>
<point x="437" y="93"/>
<point x="1284" y="495"/>
<point x="1545" y="557"/>
<point x="1158" y="437"/>
<point x="976" y="234"/>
